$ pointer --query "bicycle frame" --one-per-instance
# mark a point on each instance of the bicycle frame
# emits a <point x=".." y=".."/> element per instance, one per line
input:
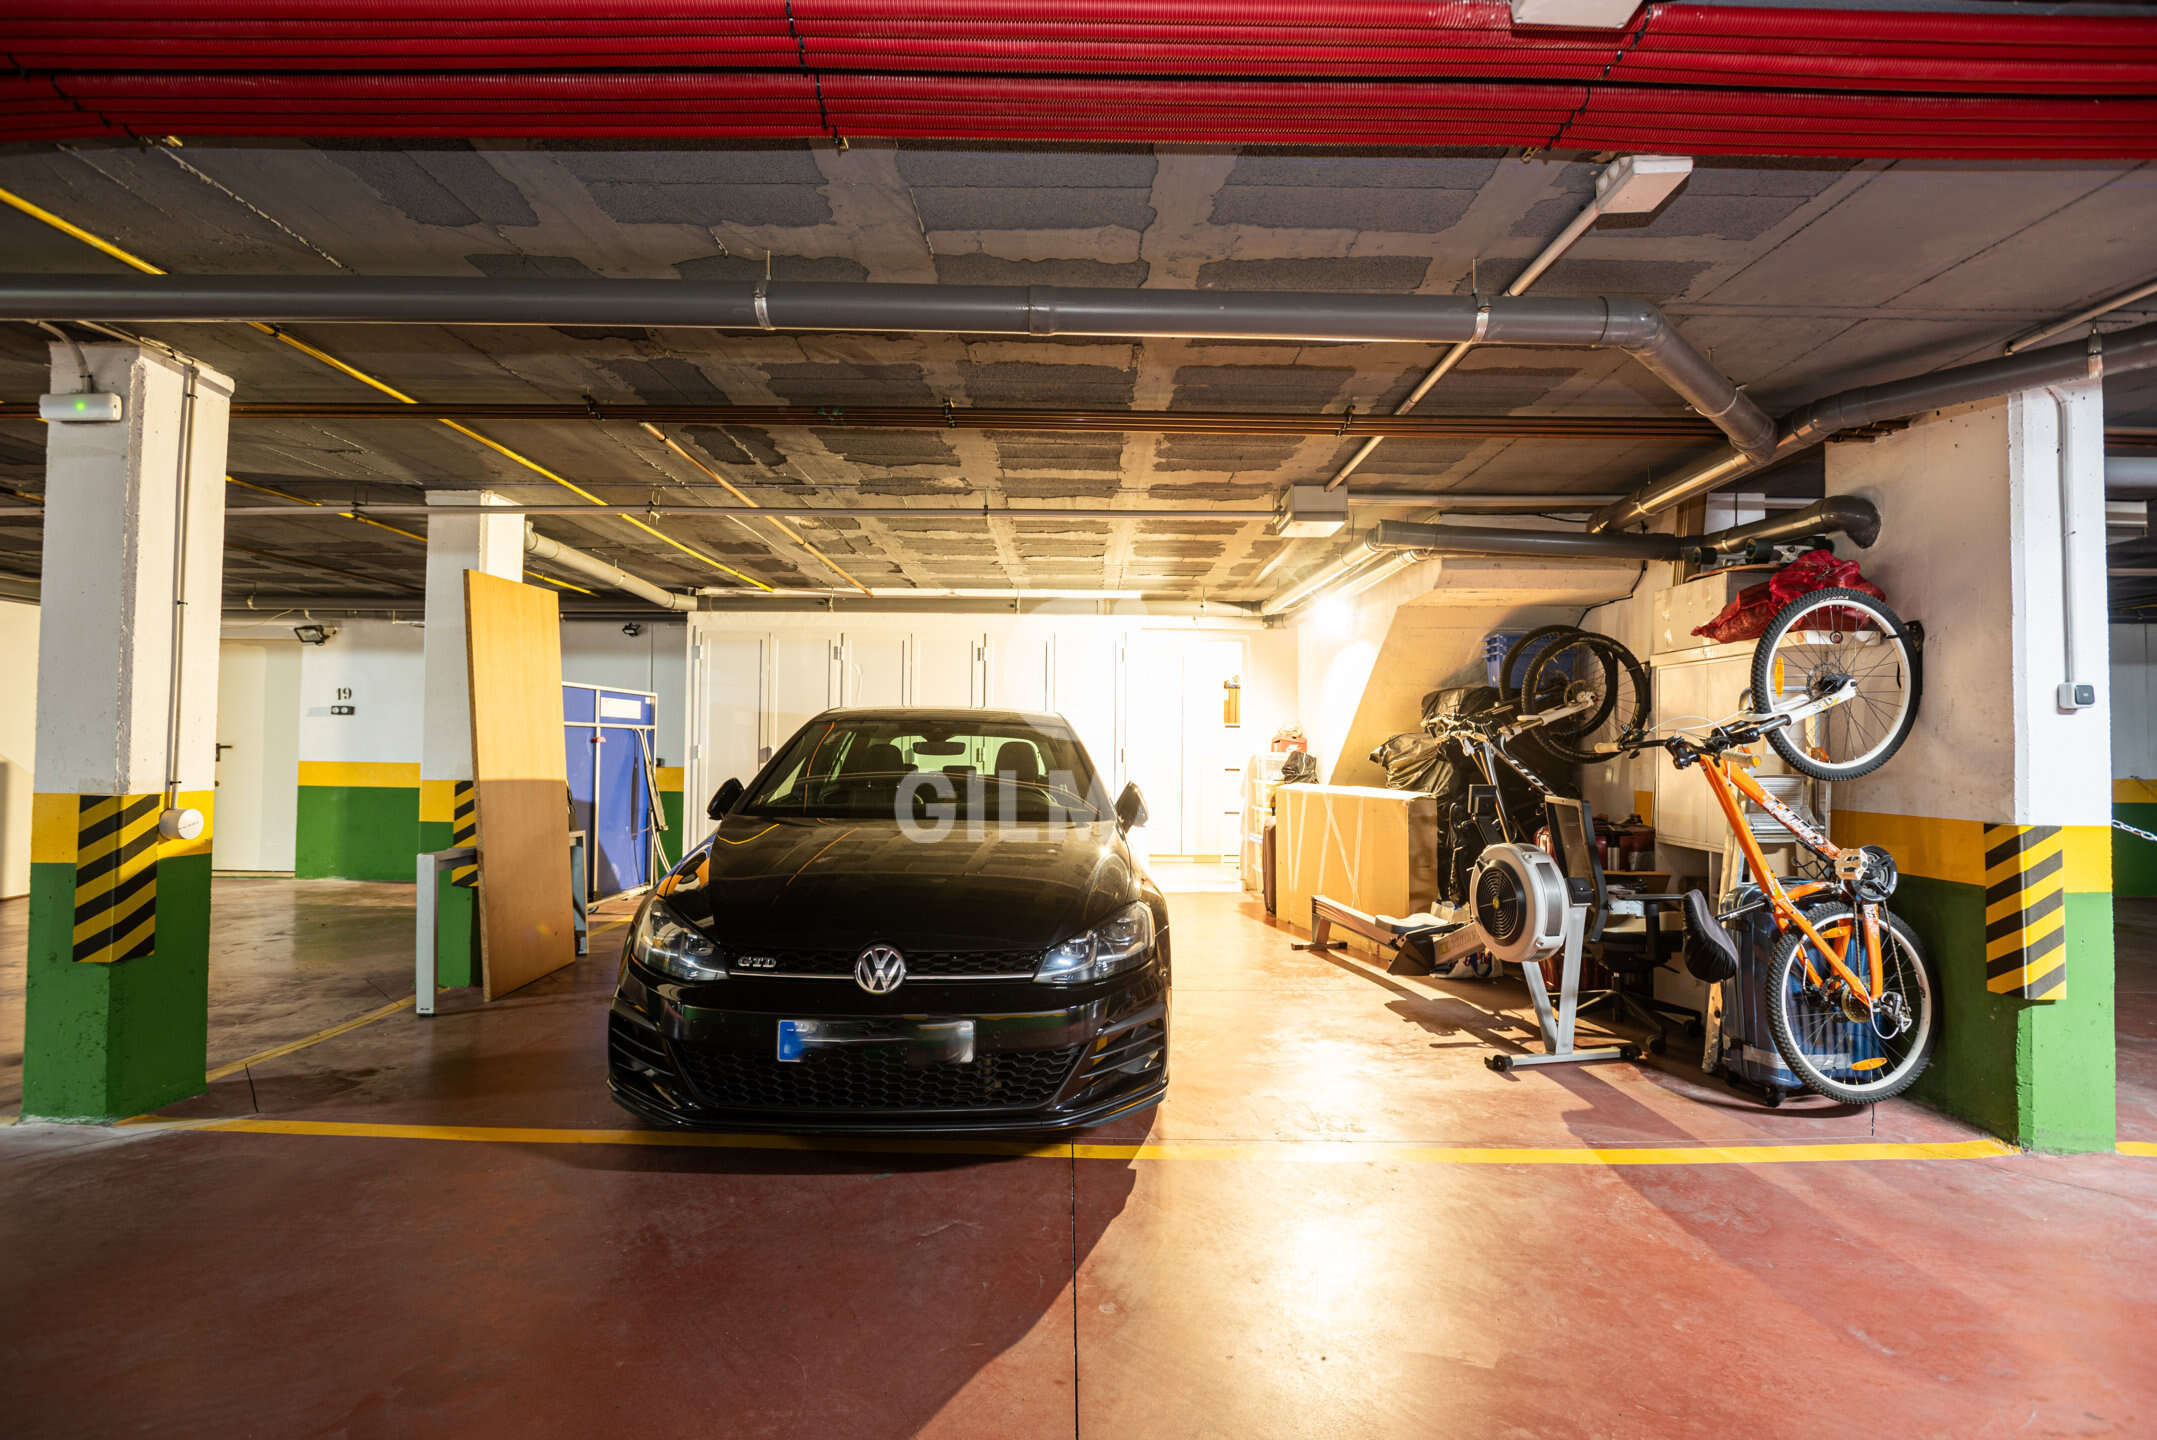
<point x="1725" y="777"/>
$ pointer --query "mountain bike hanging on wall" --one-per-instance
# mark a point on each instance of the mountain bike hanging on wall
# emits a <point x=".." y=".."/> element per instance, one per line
<point x="1852" y="999"/>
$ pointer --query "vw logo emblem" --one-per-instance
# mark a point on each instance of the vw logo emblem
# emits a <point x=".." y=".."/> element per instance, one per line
<point x="880" y="970"/>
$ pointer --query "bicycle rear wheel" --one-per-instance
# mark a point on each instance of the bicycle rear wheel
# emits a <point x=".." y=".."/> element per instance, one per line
<point x="1836" y="1043"/>
<point x="1595" y="671"/>
<point x="1525" y="651"/>
<point x="1846" y="644"/>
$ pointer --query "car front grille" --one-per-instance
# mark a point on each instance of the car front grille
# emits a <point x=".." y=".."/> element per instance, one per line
<point x="920" y="964"/>
<point x="876" y="1077"/>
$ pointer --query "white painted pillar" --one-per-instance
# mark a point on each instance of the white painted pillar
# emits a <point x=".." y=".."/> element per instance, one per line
<point x="461" y="535"/>
<point x="1999" y="805"/>
<point x="126" y="733"/>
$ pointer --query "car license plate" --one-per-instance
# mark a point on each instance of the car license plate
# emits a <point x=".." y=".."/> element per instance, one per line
<point x="928" y="1042"/>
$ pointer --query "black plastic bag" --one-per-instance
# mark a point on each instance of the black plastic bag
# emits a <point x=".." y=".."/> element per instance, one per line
<point x="1415" y="761"/>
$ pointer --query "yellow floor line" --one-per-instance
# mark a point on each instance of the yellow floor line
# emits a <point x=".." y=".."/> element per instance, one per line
<point x="1303" y="1152"/>
<point x="2145" y="1148"/>
<point x="315" y="1039"/>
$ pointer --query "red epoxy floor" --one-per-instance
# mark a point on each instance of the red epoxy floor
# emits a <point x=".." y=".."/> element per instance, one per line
<point x="237" y="1283"/>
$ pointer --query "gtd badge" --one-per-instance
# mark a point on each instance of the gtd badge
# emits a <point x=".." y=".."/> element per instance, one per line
<point x="880" y="970"/>
<point x="757" y="962"/>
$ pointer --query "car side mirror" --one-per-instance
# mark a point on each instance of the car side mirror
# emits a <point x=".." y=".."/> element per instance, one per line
<point x="723" y="799"/>
<point x="1130" y="809"/>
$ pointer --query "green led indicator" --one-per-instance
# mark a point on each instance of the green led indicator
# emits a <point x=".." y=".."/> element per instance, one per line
<point x="82" y="404"/>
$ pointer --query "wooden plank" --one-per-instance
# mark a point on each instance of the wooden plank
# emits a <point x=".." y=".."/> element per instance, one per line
<point x="513" y="646"/>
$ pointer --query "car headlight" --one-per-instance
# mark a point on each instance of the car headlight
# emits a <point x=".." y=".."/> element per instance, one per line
<point x="1120" y="942"/>
<point x="665" y="942"/>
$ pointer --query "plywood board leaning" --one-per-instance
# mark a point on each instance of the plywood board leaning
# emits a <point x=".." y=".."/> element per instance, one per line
<point x="513" y="643"/>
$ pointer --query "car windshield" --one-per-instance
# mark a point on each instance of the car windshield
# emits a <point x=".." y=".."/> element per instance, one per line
<point x="930" y="767"/>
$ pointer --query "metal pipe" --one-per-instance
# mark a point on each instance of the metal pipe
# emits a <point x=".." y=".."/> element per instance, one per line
<point x="1451" y="500"/>
<point x="2065" y="463"/>
<point x="1574" y="229"/>
<point x="1389" y="535"/>
<point x="1343" y="424"/>
<point x="2046" y="332"/>
<point x="1844" y="514"/>
<point x="2119" y="352"/>
<point x="570" y="558"/>
<point x="1634" y="326"/>
<point x="1362" y="557"/>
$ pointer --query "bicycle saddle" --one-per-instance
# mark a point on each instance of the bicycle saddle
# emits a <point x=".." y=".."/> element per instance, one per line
<point x="1710" y="953"/>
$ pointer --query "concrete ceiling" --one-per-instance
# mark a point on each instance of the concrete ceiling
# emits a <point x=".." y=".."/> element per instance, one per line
<point x="1798" y="277"/>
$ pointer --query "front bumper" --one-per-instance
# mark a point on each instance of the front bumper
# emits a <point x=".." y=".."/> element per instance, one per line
<point x="681" y="1063"/>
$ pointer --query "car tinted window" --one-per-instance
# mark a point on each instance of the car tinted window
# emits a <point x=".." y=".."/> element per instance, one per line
<point x="888" y="766"/>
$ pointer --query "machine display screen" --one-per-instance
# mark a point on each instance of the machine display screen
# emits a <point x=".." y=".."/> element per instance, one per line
<point x="1572" y="830"/>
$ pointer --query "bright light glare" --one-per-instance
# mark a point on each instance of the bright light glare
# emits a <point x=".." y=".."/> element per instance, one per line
<point x="1332" y="614"/>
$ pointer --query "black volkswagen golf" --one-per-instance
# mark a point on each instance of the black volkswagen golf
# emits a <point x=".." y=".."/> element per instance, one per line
<point x="911" y="920"/>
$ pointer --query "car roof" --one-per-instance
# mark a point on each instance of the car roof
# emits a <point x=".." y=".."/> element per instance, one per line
<point x="1035" y="718"/>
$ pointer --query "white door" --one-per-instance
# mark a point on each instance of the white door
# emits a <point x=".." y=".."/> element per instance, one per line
<point x="1019" y="669"/>
<point x="876" y="667"/>
<point x="1212" y="749"/>
<point x="1085" y="688"/>
<point x="258" y="744"/>
<point x="1153" y="748"/>
<point x="947" y="666"/>
<point x="808" y="676"/>
<point x="729" y="730"/>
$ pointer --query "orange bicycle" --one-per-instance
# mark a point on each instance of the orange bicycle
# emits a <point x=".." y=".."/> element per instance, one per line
<point x="1852" y="1000"/>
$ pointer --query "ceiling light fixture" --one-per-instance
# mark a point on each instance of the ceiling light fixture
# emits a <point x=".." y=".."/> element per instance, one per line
<point x="1575" y="14"/>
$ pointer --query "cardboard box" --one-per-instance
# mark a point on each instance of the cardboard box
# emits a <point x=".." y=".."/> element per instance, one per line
<point x="1373" y="849"/>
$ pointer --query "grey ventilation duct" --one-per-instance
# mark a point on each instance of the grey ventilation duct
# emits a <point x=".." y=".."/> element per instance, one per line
<point x="1633" y="326"/>
<point x="593" y="568"/>
<point x="1845" y="514"/>
<point x="2117" y="353"/>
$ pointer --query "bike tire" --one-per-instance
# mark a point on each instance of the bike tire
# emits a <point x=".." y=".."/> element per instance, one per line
<point x="1813" y="1045"/>
<point x="1513" y="672"/>
<point x="1764" y="688"/>
<point x="1620" y="665"/>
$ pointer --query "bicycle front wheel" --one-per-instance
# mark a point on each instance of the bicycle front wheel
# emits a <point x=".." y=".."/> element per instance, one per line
<point x="1835" y="1041"/>
<point x="1849" y="648"/>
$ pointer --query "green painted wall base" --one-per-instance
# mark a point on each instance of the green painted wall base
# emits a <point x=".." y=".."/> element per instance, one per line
<point x="2134" y="861"/>
<point x="357" y="832"/>
<point x="2040" y="1075"/>
<point x="670" y="840"/>
<point x="105" y="1042"/>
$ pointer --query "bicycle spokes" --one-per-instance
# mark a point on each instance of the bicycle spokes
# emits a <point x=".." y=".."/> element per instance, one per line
<point x="1843" y="668"/>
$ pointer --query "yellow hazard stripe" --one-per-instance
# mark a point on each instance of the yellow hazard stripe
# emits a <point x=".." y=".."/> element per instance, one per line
<point x="2026" y="873"/>
<point x="1321" y="1152"/>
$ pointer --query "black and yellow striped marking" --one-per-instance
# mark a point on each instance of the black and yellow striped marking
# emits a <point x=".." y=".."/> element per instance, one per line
<point x="2026" y="911"/>
<point x="116" y="877"/>
<point x="464" y="830"/>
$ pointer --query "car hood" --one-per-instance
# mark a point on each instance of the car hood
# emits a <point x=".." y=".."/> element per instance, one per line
<point x="841" y="883"/>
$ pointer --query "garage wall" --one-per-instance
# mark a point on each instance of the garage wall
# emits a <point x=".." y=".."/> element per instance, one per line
<point x="1366" y="664"/>
<point x="358" y="812"/>
<point x="2134" y="756"/>
<point x="18" y="745"/>
<point x="761" y="675"/>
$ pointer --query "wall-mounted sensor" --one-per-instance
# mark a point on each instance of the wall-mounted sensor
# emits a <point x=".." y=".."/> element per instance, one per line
<point x="100" y="408"/>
